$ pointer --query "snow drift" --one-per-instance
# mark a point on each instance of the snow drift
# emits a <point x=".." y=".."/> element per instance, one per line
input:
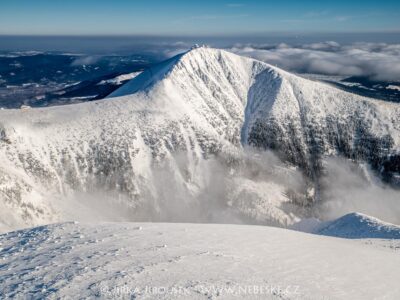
<point x="350" y="226"/>
<point x="170" y="145"/>
<point x="193" y="261"/>
<point x="356" y="226"/>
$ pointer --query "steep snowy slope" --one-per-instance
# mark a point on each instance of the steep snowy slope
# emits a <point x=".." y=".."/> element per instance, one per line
<point x="168" y="145"/>
<point x="300" y="118"/>
<point x="188" y="261"/>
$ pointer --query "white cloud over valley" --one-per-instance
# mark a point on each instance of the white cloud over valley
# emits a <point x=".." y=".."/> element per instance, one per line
<point x="378" y="61"/>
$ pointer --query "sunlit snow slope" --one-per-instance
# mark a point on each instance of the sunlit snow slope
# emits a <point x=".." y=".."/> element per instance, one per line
<point x="148" y="147"/>
<point x="356" y="225"/>
<point x="189" y="261"/>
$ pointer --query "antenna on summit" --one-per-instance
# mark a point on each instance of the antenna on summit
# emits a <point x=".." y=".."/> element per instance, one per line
<point x="195" y="46"/>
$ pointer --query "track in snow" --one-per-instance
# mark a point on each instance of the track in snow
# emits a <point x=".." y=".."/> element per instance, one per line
<point x="169" y="261"/>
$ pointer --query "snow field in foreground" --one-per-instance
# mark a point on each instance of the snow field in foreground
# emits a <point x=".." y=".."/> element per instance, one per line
<point x="193" y="261"/>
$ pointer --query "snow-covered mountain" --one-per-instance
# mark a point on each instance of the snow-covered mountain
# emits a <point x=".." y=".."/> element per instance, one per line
<point x="169" y="145"/>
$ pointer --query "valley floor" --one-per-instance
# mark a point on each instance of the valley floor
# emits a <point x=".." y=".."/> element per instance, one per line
<point x="193" y="261"/>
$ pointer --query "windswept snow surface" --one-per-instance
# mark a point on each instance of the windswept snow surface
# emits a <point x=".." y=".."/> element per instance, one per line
<point x="357" y="226"/>
<point x="189" y="261"/>
<point x="350" y="226"/>
<point x="169" y="145"/>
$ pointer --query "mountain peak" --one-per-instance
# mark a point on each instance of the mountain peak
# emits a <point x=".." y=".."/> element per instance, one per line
<point x="200" y="57"/>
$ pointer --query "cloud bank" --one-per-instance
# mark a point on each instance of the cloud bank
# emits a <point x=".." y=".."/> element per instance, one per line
<point x="377" y="61"/>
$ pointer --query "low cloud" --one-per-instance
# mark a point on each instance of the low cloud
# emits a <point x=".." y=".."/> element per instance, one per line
<point x="377" y="61"/>
<point x="252" y="188"/>
<point x="349" y="187"/>
<point x="86" y="60"/>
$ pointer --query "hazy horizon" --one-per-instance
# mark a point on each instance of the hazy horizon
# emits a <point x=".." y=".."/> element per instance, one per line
<point x="120" y="44"/>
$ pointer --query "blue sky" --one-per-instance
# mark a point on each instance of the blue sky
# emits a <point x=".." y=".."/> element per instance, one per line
<point x="206" y="17"/>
